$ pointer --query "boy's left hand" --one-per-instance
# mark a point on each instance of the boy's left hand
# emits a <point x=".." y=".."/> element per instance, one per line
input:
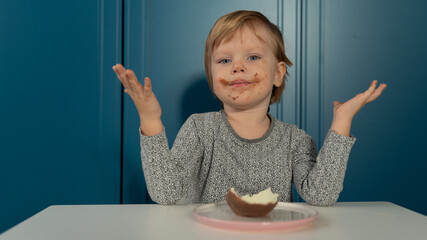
<point x="344" y="112"/>
<point x="349" y="109"/>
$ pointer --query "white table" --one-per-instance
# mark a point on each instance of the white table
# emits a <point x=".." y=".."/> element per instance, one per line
<point x="352" y="220"/>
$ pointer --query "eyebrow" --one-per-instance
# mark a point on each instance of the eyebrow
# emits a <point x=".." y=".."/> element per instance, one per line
<point x="257" y="50"/>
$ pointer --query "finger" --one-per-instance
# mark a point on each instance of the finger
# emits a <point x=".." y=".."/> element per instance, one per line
<point x="368" y="93"/>
<point x="147" y="86"/>
<point x="121" y="74"/>
<point x="118" y="68"/>
<point x="372" y="87"/>
<point x="147" y="83"/>
<point x="376" y="93"/>
<point x="133" y="81"/>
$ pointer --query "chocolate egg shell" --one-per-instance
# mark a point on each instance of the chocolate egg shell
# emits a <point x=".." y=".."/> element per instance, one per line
<point x="242" y="208"/>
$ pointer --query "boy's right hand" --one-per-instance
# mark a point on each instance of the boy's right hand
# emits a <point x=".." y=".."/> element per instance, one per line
<point x="145" y="101"/>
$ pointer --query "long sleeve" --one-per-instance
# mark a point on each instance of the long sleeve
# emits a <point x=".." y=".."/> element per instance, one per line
<point x="208" y="158"/>
<point x="319" y="178"/>
<point x="167" y="172"/>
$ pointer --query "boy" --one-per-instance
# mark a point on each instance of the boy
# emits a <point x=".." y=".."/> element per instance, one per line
<point x="242" y="146"/>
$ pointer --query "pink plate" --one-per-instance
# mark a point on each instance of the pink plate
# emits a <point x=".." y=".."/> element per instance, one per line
<point x="284" y="216"/>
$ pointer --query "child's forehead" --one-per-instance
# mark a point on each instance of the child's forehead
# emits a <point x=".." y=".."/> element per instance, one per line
<point x="258" y="32"/>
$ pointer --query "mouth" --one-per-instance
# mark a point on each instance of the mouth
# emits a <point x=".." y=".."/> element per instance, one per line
<point x="239" y="83"/>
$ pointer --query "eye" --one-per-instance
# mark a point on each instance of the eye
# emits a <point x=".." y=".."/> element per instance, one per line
<point x="253" y="58"/>
<point x="224" y="61"/>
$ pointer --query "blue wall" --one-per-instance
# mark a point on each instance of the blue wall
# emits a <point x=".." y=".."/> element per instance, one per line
<point x="346" y="45"/>
<point x="60" y="104"/>
<point x="68" y="136"/>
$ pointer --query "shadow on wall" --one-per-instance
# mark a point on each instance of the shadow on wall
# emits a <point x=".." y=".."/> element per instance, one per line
<point x="198" y="98"/>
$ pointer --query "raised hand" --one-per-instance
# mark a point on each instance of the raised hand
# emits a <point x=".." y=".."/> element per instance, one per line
<point x="344" y="112"/>
<point x="145" y="101"/>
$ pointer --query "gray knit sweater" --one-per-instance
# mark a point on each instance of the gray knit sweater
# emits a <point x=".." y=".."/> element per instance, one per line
<point x="208" y="158"/>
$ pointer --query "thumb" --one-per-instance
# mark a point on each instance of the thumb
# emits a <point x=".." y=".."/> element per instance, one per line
<point x="336" y="103"/>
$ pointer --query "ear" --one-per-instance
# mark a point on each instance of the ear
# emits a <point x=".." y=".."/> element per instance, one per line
<point x="280" y="73"/>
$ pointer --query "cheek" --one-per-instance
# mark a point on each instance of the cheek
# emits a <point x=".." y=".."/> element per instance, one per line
<point x="262" y="78"/>
<point x="215" y="88"/>
<point x="264" y="82"/>
<point x="217" y="70"/>
<point x="219" y="82"/>
<point x="218" y="74"/>
<point x="218" y="86"/>
<point x="269" y="69"/>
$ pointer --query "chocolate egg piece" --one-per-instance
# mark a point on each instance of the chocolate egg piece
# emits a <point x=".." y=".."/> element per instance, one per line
<point x="257" y="205"/>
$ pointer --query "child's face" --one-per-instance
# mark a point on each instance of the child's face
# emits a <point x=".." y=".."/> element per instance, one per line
<point x="244" y="70"/>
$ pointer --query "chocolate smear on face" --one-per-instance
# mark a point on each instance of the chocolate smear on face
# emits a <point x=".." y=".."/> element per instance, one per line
<point x="223" y="81"/>
<point x="252" y="84"/>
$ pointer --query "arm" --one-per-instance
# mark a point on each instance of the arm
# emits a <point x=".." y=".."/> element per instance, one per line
<point x="319" y="178"/>
<point x="168" y="172"/>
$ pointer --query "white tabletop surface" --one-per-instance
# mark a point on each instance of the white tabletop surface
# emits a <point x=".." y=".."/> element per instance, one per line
<point x="351" y="220"/>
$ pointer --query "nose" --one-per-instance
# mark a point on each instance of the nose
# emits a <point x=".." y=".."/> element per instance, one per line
<point x="238" y="68"/>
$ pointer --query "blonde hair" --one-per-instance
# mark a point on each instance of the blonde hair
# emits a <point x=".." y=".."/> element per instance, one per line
<point x="225" y="28"/>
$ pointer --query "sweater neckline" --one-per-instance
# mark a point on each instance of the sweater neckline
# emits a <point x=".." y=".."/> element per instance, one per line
<point x="266" y="134"/>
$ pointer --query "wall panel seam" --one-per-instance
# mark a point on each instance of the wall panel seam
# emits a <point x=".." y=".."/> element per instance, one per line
<point x="298" y="63"/>
<point x="100" y="25"/>
<point x="321" y="70"/>
<point x="303" y="63"/>
<point x="280" y="22"/>
<point x="122" y="60"/>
